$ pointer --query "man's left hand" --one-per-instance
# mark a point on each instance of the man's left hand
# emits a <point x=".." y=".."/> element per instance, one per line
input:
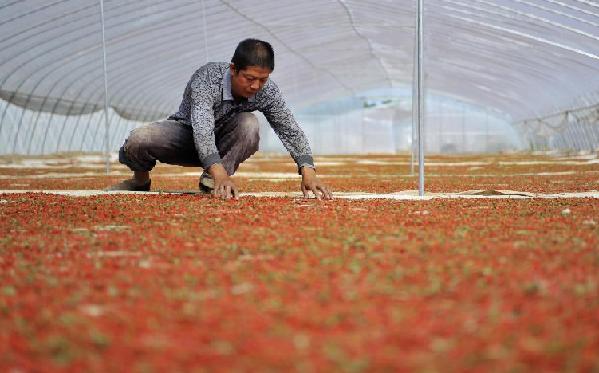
<point x="311" y="183"/>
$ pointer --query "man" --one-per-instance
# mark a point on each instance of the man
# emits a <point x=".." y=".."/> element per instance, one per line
<point x="214" y="127"/>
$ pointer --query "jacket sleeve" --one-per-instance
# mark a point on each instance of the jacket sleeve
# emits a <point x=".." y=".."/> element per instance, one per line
<point x="285" y="126"/>
<point x="202" y="118"/>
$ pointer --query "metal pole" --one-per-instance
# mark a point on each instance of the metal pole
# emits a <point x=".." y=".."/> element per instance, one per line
<point x="205" y="31"/>
<point x="463" y="106"/>
<point x="487" y="130"/>
<point x="363" y="144"/>
<point x="414" y="100"/>
<point x="419" y="88"/>
<point x="442" y="124"/>
<point x="107" y="137"/>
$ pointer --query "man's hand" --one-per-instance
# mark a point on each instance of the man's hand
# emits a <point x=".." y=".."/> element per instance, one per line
<point x="223" y="185"/>
<point x="311" y="182"/>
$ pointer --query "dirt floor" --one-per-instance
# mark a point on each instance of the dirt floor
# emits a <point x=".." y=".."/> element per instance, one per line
<point x="159" y="282"/>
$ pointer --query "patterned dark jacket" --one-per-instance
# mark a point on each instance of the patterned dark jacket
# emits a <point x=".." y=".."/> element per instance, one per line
<point x="208" y="103"/>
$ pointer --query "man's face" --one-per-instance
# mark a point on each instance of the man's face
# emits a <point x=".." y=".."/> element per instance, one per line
<point x="247" y="82"/>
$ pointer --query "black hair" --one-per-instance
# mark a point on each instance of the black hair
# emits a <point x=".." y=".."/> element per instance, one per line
<point x="253" y="52"/>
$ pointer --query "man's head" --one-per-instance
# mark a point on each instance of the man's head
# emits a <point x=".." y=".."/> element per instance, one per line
<point x="251" y="65"/>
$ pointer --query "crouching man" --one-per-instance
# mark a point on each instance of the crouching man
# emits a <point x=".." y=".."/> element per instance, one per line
<point x="215" y="129"/>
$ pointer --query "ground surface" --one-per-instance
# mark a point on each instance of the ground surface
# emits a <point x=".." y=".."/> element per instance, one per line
<point x="183" y="282"/>
<point x="374" y="173"/>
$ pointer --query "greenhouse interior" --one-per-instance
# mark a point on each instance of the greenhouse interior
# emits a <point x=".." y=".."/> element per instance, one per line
<point x="416" y="189"/>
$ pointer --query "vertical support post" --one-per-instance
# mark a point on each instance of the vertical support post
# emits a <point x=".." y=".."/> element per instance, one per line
<point x="107" y="123"/>
<point x="205" y="31"/>
<point x="463" y="107"/>
<point x="395" y="129"/>
<point x="487" y="150"/>
<point x="412" y="143"/>
<point x="420" y="97"/>
<point x="441" y="124"/>
<point x="363" y="132"/>
<point x="414" y="97"/>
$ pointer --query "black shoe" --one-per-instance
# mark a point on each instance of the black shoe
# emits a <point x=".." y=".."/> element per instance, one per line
<point x="131" y="185"/>
<point x="206" y="184"/>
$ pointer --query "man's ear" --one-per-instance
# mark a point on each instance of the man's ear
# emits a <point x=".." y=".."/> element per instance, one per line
<point x="232" y="67"/>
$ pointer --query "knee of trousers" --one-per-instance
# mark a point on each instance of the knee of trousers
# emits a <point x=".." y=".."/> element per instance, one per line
<point x="139" y="140"/>
<point x="249" y="126"/>
<point x="135" y="151"/>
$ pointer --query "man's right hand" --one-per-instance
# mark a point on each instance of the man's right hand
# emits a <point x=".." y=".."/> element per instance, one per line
<point x="223" y="185"/>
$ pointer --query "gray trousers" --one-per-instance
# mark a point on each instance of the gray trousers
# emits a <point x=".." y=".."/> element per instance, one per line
<point x="171" y="142"/>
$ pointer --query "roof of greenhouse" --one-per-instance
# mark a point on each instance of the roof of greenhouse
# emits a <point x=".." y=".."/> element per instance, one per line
<point x="524" y="58"/>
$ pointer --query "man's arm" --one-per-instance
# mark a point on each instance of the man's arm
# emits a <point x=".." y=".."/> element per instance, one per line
<point x="285" y="126"/>
<point x="295" y="141"/>
<point x="202" y="123"/>
<point x="202" y="118"/>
